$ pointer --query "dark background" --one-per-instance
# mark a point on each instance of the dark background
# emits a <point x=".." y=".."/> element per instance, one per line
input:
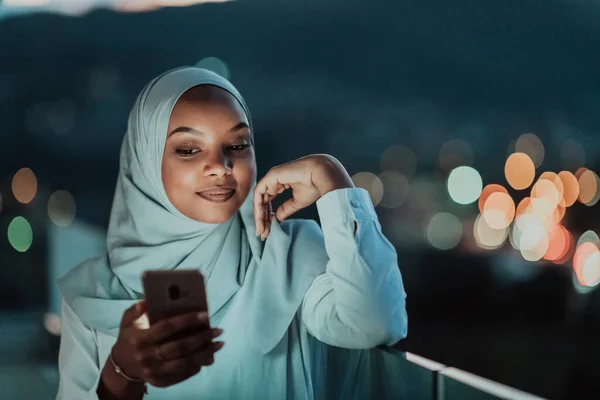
<point x="348" y="78"/>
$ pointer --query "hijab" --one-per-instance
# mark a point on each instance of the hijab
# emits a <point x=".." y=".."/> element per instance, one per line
<point x="147" y="232"/>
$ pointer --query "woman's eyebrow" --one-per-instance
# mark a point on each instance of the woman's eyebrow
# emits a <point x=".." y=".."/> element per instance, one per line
<point x="196" y="132"/>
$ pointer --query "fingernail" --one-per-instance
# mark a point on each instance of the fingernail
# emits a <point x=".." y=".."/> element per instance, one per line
<point x="218" y="345"/>
<point x="216" y="332"/>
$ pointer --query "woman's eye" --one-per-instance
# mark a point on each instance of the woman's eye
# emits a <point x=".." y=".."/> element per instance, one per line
<point x="186" y="152"/>
<point x="239" y="147"/>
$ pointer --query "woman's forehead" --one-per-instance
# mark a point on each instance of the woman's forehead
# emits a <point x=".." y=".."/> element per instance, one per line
<point x="207" y="102"/>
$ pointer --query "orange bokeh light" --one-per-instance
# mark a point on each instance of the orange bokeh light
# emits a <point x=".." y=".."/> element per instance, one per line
<point x="487" y="191"/>
<point x="24" y="185"/>
<point x="555" y="180"/>
<point x="546" y="189"/>
<point x="580" y="171"/>
<point x="571" y="188"/>
<point x="569" y="250"/>
<point x="519" y="171"/>
<point x="524" y="206"/>
<point x="588" y="188"/>
<point x="559" y="243"/>
<point x="499" y="210"/>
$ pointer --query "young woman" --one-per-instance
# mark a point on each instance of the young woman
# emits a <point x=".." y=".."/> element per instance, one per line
<point x="281" y="293"/>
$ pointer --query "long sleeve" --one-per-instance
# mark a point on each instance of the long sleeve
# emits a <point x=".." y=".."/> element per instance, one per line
<point x="359" y="302"/>
<point x="77" y="359"/>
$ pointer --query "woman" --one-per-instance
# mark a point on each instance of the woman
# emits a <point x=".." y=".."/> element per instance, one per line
<point x="280" y="290"/>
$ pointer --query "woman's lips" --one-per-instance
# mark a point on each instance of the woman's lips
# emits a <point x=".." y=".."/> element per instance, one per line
<point x="217" y="195"/>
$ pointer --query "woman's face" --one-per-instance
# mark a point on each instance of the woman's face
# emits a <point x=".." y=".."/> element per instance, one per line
<point x="208" y="165"/>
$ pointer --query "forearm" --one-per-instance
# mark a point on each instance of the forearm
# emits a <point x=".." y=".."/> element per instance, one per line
<point x="112" y="386"/>
<point x="361" y="295"/>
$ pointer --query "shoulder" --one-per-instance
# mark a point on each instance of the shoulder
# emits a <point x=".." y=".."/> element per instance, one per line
<point x="87" y="278"/>
<point x="306" y="236"/>
<point x="86" y="269"/>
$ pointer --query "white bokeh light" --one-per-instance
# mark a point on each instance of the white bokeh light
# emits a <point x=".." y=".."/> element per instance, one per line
<point x="464" y="185"/>
<point x="444" y="231"/>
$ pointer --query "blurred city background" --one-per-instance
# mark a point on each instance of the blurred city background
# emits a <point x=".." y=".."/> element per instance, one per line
<point x="473" y="125"/>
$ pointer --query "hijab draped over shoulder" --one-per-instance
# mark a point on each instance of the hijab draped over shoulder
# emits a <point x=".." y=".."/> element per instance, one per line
<point x="146" y="232"/>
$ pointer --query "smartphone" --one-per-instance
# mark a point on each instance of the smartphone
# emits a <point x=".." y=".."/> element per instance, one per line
<point x="174" y="292"/>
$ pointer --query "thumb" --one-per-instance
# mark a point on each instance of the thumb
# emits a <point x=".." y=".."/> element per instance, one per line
<point x="288" y="208"/>
<point x="133" y="313"/>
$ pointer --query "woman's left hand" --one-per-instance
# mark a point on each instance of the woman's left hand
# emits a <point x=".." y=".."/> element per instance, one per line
<point x="309" y="177"/>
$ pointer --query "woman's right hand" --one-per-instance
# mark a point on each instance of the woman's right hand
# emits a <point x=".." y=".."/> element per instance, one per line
<point x="154" y="356"/>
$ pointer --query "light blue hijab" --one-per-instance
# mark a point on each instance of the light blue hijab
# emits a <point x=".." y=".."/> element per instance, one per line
<point x="147" y="232"/>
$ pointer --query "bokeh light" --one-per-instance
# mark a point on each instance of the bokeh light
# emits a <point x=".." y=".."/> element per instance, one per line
<point x="589" y="236"/>
<point x="454" y="153"/>
<point x="569" y="250"/>
<point x="444" y="231"/>
<point x="499" y="210"/>
<point x="527" y="232"/>
<point x="371" y="183"/>
<point x="215" y="65"/>
<point x="524" y="206"/>
<point x="395" y="189"/>
<point x="555" y="181"/>
<point x="61" y="116"/>
<point x="61" y="208"/>
<point x="464" y="185"/>
<point x="580" y="172"/>
<point x="538" y="251"/>
<point x="487" y="191"/>
<point x="570" y="188"/>
<point x="20" y="235"/>
<point x="589" y="188"/>
<point x="399" y="158"/>
<point x="546" y="189"/>
<point x="531" y="145"/>
<point x="572" y="155"/>
<point x="24" y="185"/>
<point x="530" y="237"/>
<point x="558" y="245"/>
<point x="590" y="275"/>
<point x="519" y="171"/>
<point x="582" y="254"/>
<point x="487" y="237"/>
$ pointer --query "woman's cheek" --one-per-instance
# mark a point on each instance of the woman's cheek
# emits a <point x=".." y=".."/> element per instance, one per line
<point x="188" y="180"/>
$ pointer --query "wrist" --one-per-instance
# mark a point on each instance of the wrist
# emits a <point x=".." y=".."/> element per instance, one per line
<point x="334" y="177"/>
<point x="114" y="385"/>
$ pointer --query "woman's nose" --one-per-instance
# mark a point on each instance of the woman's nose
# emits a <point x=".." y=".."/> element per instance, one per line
<point x="217" y="164"/>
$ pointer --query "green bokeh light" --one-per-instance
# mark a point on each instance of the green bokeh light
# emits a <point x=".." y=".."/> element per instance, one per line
<point x="20" y="234"/>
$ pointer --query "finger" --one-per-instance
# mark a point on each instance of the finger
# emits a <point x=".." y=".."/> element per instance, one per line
<point x="182" y="365"/>
<point x="159" y="378"/>
<point x="266" y="190"/>
<point x="267" y="220"/>
<point x="133" y="313"/>
<point x="188" y="345"/>
<point x="258" y="213"/>
<point x="162" y="330"/>
<point x="288" y="208"/>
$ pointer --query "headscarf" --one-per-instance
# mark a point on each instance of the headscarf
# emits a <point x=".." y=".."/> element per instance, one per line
<point x="147" y="232"/>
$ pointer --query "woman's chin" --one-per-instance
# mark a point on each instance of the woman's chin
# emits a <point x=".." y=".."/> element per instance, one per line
<point x="214" y="213"/>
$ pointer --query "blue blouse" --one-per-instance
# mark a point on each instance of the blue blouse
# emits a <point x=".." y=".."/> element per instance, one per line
<point x="358" y="303"/>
